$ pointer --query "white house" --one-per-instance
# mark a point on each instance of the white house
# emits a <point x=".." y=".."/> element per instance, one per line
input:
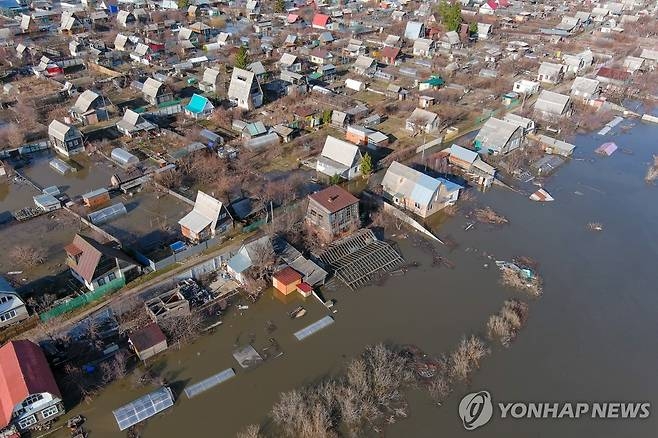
<point x="423" y="121"/>
<point x="341" y="158"/>
<point x="244" y="90"/>
<point x="526" y="87"/>
<point x="12" y="307"/>
<point x="417" y="192"/>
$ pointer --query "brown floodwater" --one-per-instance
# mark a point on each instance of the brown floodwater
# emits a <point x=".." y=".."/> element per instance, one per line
<point x="591" y="336"/>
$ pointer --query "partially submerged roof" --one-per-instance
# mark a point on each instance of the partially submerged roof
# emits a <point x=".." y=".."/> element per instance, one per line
<point x="144" y="407"/>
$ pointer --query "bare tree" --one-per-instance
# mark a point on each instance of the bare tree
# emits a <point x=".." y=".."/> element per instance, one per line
<point x="28" y="256"/>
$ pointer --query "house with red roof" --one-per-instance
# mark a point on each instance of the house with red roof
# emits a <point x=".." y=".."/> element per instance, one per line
<point x="286" y="280"/>
<point x="389" y="55"/>
<point x="97" y="265"/>
<point x="28" y="392"/>
<point x="321" y="21"/>
<point x="333" y="211"/>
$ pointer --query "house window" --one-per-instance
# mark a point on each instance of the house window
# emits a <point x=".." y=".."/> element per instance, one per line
<point x="27" y="422"/>
<point x="31" y="399"/>
<point x="49" y="412"/>
<point x="6" y="298"/>
<point x="101" y="281"/>
<point x="111" y="276"/>
<point x="417" y="205"/>
<point x="7" y="316"/>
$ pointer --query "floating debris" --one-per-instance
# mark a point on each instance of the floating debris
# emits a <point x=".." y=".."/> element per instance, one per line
<point x="595" y="226"/>
<point x="541" y="195"/>
<point x="606" y="149"/>
<point x="489" y="216"/>
<point x="520" y="278"/>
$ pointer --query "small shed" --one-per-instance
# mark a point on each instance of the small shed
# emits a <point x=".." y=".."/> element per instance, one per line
<point x="286" y="280"/>
<point x="47" y="202"/>
<point x="96" y="198"/>
<point x="124" y="158"/>
<point x="148" y="342"/>
<point x="305" y="289"/>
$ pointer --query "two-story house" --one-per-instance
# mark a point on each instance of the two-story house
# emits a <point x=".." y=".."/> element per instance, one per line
<point x="333" y="211"/>
<point x="65" y="139"/>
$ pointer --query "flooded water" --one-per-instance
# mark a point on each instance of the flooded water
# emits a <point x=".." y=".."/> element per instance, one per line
<point x="590" y="337"/>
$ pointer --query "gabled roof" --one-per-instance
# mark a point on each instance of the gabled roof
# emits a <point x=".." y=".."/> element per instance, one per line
<point x="341" y="151"/>
<point x="550" y="68"/>
<point x="334" y="198"/>
<point x="287" y="59"/>
<point x="321" y="20"/>
<point x="60" y="130"/>
<point x="148" y="337"/>
<point x="551" y="102"/>
<point x="205" y="213"/>
<point x="89" y="253"/>
<point x="585" y="85"/>
<point x="463" y="154"/>
<point x="413" y="30"/>
<point x="650" y="54"/>
<point x="390" y="52"/>
<point x="495" y="133"/>
<point x="198" y="104"/>
<point x="120" y="41"/>
<point x="420" y="115"/>
<point x="24" y="370"/>
<point x="85" y="101"/>
<point x="151" y="87"/>
<point x="241" y="84"/>
<point x="210" y="75"/>
<point x="408" y="183"/>
<point x="364" y="62"/>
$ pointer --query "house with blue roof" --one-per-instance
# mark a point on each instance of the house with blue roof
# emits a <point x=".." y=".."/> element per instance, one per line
<point x="199" y="107"/>
<point x="417" y="192"/>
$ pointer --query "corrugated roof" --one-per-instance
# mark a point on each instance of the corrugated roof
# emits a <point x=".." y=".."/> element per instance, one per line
<point x="151" y="87"/>
<point x="495" y="133"/>
<point x="58" y="130"/>
<point x="86" y="100"/>
<point x="24" y="370"/>
<point x="287" y="276"/>
<point x="205" y="213"/>
<point x="197" y="104"/>
<point x="90" y="252"/>
<point x="241" y="83"/>
<point x="341" y="151"/>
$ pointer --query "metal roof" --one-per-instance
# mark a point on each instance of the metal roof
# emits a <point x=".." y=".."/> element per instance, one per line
<point x="313" y="328"/>
<point x="144" y="407"/>
<point x="198" y="104"/>
<point x="463" y="154"/>
<point x="495" y="133"/>
<point x="205" y="213"/>
<point x="341" y="151"/>
<point x="552" y="102"/>
<point x="241" y="83"/>
<point x="210" y="382"/>
<point x="85" y="101"/>
<point x="151" y="87"/>
<point x="60" y="130"/>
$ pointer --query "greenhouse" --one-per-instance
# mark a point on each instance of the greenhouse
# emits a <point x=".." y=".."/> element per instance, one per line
<point x="124" y="158"/>
<point x="107" y="214"/>
<point x="210" y="382"/>
<point x="61" y="166"/>
<point x="313" y="328"/>
<point x="144" y="407"/>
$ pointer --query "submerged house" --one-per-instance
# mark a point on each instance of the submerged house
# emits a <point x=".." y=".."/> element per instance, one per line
<point x="470" y="162"/>
<point x="333" y="211"/>
<point x="28" y="392"/>
<point x="65" y="139"/>
<point x="244" y="89"/>
<point x="416" y="192"/>
<point x="97" y="265"/>
<point x="12" y="307"/>
<point x="340" y="158"/>
<point x="208" y="217"/>
<point x="498" y="137"/>
<point x="148" y="341"/>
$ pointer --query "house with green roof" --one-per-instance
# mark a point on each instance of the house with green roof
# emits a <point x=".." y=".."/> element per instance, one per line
<point x="199" y="107"/>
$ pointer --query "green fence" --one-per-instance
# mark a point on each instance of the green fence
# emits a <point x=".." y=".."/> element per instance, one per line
<point x="83" y="300"/>
<point x="253" y="226"/>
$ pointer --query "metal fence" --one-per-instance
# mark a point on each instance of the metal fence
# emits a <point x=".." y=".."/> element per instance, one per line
<point x="83" y="299"/>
